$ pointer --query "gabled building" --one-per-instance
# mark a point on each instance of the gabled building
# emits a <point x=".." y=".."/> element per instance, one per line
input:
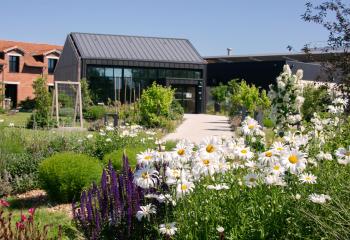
<point x="118" y="67"/>
<point x="21" y="63"/>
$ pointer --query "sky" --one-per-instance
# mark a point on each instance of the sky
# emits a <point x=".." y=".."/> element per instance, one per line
<point x="246" y="26"/>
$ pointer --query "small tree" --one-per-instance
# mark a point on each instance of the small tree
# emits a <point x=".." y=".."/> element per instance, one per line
<point x="85" y="93"/>
<point x="219" y="94"/>
<point x="155" y="105"/>
<point x="247" y="97"/>
<point x="41" y="116"/>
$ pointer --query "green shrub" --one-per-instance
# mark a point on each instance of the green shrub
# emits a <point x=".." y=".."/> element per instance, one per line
<point x="316" y="100"/>
<point x="94" y="112"/>
<point x="65" y="175"/>
<point x="66" y="112"/>
<point x="65" y="100"/>
<point x="155" y="104"/>
<point x="219" y="93"/>
<point x="41" y="118"/>
<point x="116" y="156"/>
<point x="267" y="122"/>
<point x="177" y="111"/>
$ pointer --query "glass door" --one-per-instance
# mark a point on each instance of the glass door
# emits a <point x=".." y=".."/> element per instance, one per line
<point x="186" y="95"/>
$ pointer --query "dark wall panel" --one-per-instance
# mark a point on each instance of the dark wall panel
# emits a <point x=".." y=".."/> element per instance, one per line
<point x="67" y="68"/>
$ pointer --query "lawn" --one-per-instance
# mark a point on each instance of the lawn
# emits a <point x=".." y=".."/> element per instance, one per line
<point x="18" y="119"/>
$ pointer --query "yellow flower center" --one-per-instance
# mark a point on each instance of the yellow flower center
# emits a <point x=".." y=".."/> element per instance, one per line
<point x="276" y="167"/>
<point x="308" y="178"/>
<point x="145" y="175"/>
<point x="280" y="148"/>
<point x="206" y="162"/>
<point x="181" y="152"/>
<point x="244" y="151"/>
<point x="176" y="173"/>
<point x="148" y="157"/>
<point x="268" y="154"/>
<point x="210" y="148"/>
<point x="252" y="179"/>
<point x="293" y="159"/>
<point x="251" y="126"/>
<point x="184" y="187"/>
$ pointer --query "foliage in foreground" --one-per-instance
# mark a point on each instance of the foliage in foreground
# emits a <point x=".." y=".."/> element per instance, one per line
<point x="64" y="175"/>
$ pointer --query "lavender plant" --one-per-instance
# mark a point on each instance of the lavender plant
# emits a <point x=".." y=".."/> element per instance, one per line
<point x="108" y="211"/>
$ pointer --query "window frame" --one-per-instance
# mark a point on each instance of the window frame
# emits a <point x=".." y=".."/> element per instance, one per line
<point x="11" y="63"/>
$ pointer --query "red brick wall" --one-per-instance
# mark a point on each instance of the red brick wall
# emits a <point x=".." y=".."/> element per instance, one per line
<point x="25" y="77"/>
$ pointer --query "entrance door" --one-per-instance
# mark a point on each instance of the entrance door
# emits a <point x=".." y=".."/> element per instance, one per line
<point x="11" y="92"/>
<point x="186" y="95"/>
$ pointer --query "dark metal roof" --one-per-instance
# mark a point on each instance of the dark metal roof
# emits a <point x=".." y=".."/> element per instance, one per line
<point x="292" y="56"/>
<point x="119" y="47"/>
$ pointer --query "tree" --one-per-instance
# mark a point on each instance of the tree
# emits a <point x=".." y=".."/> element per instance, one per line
<point x="85" y="93"/>
<point x="41" y="116"/>
<point x="334" y="15"/>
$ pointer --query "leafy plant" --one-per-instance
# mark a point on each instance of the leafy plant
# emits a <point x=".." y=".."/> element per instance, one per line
<point x="316" y="100"/>
<point x="41" y="116"/>
<point x="155" y="105"/>
<point x="219" y="93"/>
<point x="85" y="94"/>
<point x="94" y="112"/>
<point x="248" y="97"/>
<point x="65" y="175"/>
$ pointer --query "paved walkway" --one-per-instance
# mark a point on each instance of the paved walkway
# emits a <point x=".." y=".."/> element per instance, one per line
<point x="195" y="127"/>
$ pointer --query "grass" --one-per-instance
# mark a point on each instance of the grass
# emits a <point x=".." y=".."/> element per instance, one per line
<point x="19" y="119"/>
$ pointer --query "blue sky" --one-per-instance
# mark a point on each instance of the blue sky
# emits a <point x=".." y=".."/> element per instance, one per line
<point x="247" y="26"/>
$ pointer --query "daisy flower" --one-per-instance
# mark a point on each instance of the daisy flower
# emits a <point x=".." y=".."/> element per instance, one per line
<point x="146" y="157"/>
<point x="210" y="145"/>
<point x="277" y="169"/>
<point x="244" y="153"/>
<point x="294" y="161"/>
<point x="319" y="198"/>
<point x="268" y="157"/>
<point x="307" y="178"/>
<point x="275" y="180"/>
<point x="146" y="177"/>
<point x="184" y="188"/>
<point x="206" y="164"/>
<point x="251" y="180"/>
<point x="278" y="148"/>
<point x="145" y="212"/>
<point x="168" y="229"/>
<point x="218" y="187"/>
<point x="250" y="126"/>
<point x="343" y="155"/>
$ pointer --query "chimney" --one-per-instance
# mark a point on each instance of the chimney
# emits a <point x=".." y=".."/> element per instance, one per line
<point x="229" y="51"/>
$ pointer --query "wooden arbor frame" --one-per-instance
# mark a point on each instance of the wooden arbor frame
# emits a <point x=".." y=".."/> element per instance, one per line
<point x="77" y="106"/>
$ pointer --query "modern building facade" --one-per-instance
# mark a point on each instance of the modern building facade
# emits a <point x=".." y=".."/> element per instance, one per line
<point x="118" y="67"/>
<point x="21" y="63"/>
<point x="262" y="70"/>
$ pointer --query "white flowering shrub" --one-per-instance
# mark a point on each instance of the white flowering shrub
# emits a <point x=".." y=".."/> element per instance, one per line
<point x="286" y="99"/>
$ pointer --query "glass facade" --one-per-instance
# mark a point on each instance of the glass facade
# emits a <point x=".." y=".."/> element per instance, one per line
<point x="126" y="84"/>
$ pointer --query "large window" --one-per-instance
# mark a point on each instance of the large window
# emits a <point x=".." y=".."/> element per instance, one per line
<point x="14" y="64"/>
<point x="126" y="84"/>
<point x="52" y="65"/>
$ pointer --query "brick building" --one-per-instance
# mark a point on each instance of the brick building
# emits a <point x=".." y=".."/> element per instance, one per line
<point x="21" y="63"/>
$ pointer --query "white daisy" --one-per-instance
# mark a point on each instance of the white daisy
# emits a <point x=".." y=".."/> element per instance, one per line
<point x="184" y="188"/>
<point x="250" y="126"/>
<point x="268" y="157"/>
<point x="278" y="148"/>
<point x="244" y="153"/>
<point x="307" y="178"/>
<point x="275" y="180"/>
<point x="218" y="187"/>
<point x="277" y="169"/>
<point x="168" y="229"/>
<point x="251" y="180"/>
<point x="206" y="164"/>
<point x="210" y="145"/>
<point x="145" y="212"/>
<point x="146" y="177"/>
<point x="294" y="161"/>
<point x="343" y="155"/>
<point x="319" y="198"/>
<point x="147" y="157"/>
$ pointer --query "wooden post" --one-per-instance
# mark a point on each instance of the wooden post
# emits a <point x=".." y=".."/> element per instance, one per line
<point x="80" y="107"/>
<point x="56" y="96"/>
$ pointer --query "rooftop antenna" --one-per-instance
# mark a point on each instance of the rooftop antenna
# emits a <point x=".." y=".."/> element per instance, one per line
<point x="229" y="51"/>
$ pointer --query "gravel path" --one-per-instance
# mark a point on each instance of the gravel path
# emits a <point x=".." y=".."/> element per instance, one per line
<point x="195" y="127"/>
